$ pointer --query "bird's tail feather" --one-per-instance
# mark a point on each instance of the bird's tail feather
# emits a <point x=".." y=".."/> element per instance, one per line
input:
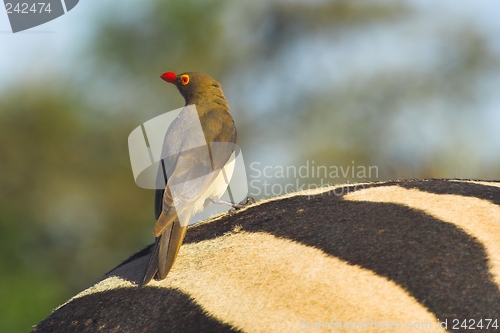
<point x="152" y="267"/>
<point x="165" y="249"/>
<point x="167" y="222"/>
<point x="170" y="243"/>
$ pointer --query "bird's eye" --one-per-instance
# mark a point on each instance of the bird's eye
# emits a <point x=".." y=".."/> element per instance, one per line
<point x="184" y="79"/>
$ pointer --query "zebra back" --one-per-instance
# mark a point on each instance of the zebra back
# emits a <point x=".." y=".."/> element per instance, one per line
<point x="392" y="256"/>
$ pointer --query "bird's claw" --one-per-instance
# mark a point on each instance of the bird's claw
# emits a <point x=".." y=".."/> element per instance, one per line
<point x="248" y="201"/>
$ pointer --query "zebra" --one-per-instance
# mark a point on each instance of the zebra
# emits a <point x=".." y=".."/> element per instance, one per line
<point x="383" y="256"/>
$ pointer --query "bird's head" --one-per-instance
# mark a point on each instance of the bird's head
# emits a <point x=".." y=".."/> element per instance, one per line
<point x="194" y="87"/>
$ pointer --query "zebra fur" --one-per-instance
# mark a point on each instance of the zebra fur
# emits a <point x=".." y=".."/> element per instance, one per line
<point x="418" y="251"/>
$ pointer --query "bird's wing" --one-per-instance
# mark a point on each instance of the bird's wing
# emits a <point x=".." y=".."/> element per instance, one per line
<point x="197" y="148"/>
<point x="185" y="130"/>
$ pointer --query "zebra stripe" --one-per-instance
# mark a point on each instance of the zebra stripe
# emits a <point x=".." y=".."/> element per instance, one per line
<point x="376" y="255"/>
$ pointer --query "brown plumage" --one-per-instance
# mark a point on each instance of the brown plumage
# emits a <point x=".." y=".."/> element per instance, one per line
<point x="198" y="160"/>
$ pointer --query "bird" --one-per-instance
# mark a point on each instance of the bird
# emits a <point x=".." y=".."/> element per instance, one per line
<point x="198" y="155"/>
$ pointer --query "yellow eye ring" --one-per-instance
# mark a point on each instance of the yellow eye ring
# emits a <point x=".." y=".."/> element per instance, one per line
<point x="184" y="79"/>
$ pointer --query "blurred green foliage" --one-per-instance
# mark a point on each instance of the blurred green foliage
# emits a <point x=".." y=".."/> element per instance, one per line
<point x="64" y="191"/>
<point x="69" y="208"/>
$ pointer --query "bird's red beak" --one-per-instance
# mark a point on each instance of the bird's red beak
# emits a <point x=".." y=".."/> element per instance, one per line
<point x="170" y="77"/>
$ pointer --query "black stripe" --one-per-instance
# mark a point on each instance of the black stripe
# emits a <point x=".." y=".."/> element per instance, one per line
<point x="148" y="309"/>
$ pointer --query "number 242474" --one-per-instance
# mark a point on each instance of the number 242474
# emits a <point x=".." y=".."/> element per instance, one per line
<point x="24" y="8"/>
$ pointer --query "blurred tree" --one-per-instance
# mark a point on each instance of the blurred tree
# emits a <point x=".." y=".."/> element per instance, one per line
<point x="65" y="180"/>
<point x="446" y="93"/>
<point x="246" y="46"/>
<point x="276" y="62"/>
